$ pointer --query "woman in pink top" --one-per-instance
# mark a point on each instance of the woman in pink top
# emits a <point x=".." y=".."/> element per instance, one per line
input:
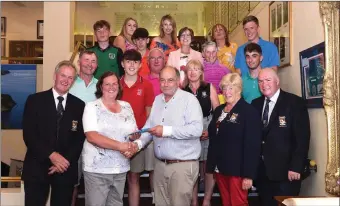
<point x="123" y="40"/>
<point x="213" y="70"/>
<point x="182" y="56"/>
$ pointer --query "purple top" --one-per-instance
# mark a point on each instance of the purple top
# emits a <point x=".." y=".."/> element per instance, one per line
<point x="213" y="73"/>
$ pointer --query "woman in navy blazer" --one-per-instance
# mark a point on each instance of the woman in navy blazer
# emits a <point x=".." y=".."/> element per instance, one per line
<point x="235" y="143"/>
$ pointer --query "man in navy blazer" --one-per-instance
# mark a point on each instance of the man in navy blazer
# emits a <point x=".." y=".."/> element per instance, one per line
<point x="54" y="136"/>
<point x="285" y="139"/>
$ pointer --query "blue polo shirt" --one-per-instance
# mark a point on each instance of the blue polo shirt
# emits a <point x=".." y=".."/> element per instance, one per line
<point x="269" y="52"/>
<point x="83" y="92"/>
<point x="250" y="88"/>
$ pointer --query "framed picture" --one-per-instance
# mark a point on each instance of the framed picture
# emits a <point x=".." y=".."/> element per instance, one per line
<point x="13" y="99"/>
<point x="3" y="47"/>
<point x="3" y="26"/>
<point x="312" y="67"/>
<point x="280" y="31"/>
<point x="40" y="29"/>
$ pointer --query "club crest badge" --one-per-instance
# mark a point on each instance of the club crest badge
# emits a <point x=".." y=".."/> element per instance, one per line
<point x="74" y="125"/>
<point x="204" y="94"/>
<point x="233" y="118"/>
<point x="112" y="56"/>
<point x="139" y="92"/>
<point x="282" y="121"/>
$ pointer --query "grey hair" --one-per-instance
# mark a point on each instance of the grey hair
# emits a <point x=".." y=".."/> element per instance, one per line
<point x="156" y="48"/>
<point x="67" y="64"/>
<point x="209" y="43"/>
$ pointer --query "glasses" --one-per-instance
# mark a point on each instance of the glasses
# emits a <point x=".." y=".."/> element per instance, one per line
<point x="185" y="35"/>
<point x="154" y="58"/>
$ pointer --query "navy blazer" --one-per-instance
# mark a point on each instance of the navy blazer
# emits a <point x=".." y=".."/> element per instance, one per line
<point x="39" y="132"/>
<point x="235" y="148"/>
<point x="286" y="138"/>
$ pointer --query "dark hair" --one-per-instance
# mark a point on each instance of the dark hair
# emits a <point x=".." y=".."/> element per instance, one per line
<point x="182" y="30"/>
<point x="227" y="42"/>
<point x="251" y="47"/>
<point x="99" y="92"/>
<point x="100" y="24"/>
<point x="140" y="33"/>
<point x="132" y="54"/>
<point x="250" y="19"/>
<point x="87" y="52"/>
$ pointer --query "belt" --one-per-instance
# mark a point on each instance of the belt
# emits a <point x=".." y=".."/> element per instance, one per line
<point x="174" y="161"/>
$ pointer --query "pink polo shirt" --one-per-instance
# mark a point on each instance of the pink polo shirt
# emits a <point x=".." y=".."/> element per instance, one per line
<point x="155" y="84"/>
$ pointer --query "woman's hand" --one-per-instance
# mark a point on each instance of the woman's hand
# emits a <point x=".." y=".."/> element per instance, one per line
<point x="204" y="135"/>
<point x="247" y="183"/>
<point x="134" y="136"/>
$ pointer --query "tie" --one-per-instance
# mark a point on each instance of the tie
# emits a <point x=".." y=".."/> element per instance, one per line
<point x="60" y="111"/>
<point x="265" y="113"/>
<point x="60" y="108"/>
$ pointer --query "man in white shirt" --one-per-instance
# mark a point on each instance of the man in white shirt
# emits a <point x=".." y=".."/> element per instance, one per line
<point x="176" y="124"/>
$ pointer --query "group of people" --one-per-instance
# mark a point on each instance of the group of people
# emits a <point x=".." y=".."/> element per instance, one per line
<point x="216" y="117"/>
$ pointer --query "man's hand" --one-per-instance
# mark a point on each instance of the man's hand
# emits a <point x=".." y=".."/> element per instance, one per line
<point x="156" y="131"/>
<point x="293" y="176"/>
<point x="59" y="161"/>
<point x="204" y="135"/>
<point x="53" y="170"/>
<point x="247" y="183"/>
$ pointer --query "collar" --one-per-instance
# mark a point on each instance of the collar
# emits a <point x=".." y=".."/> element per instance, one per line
<point x="249" y="76"/>
<point x="103" y="50"/>
<point x="139" y="80"/>
<point x="93" y="80"/>
<point x="56" y="95"/>
<point x="275" y="96"/>
<point x="146" y="54"/>
<point x="173" y="97"/>
<point x="215" y="63"/>
<point x="150" y="77"/>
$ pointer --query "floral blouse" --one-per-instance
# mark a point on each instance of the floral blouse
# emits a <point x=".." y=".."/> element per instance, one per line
<point x="115" y="126"/>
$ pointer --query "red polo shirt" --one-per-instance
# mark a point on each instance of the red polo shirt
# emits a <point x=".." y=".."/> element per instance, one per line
<point x="139" y="95"/>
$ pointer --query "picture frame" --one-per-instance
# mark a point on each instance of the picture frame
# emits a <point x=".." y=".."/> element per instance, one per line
<point x="3" y="47"/>
<point x="312" y="68"/>
<point x="280" y="30"/>
<point x="40" y="29"/>
<point x="3" y="26"/>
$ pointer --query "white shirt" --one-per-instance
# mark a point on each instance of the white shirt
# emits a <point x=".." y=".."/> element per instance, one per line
<point x="182" y="121"/>
<point x="116" y="126"/>
<point x="272" y="103"/>
<point x="56" y="100"/>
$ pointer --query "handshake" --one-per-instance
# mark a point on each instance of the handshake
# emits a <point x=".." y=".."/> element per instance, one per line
<point x="129" y="149"/>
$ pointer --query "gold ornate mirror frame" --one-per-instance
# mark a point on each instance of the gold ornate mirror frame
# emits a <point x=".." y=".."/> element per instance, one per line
<point x="331" y="99"/>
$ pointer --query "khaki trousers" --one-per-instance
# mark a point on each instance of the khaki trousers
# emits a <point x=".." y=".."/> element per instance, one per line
<point x="173" y="183"/>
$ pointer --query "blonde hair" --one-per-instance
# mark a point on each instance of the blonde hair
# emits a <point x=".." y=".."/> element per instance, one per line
<point x="122" y="31"/>
<point x="231" y="79"/>
<point x="65" y="63"/>
<point x="174" y="28"/>
<point x="195" y="64"/>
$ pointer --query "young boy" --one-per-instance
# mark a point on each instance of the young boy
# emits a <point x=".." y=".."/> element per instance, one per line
<point x="141" y="38"/>
<point x="139" y="93"/>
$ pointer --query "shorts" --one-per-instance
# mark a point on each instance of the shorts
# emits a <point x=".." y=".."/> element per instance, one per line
<point x="205" y="143"/>
<point x="144" y="160"/>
